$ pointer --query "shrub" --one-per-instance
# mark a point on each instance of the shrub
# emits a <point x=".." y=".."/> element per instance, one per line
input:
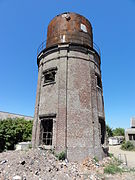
<point x="128" y="146"/>
<point x="13" y="131"/>
<point x="61" y="156"/>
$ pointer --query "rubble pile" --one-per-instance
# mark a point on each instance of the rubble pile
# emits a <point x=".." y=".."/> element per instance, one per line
<point x="39" y="164"/>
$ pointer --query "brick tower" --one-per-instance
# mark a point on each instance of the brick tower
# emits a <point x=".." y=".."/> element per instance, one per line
<point x="69" y="110"/>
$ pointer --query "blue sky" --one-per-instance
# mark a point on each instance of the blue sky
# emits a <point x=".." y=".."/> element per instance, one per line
<point x="23" y="26"/>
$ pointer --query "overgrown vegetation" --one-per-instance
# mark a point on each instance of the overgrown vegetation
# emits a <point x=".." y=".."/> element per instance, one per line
<point x="128" y="146"/>
<point x="61" y="156"/>
<point x="113" y="169"/>
<point x="114" y="166"/>
<point x="13" y="131"/>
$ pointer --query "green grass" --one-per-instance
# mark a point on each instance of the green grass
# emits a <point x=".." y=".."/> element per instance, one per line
<point x="116" y="166"/>
<point x="112" y="169"/>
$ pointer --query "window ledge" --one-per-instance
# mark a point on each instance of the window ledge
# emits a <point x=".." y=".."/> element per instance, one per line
<point x="49" y="83"/>
<point x="47" y="147"/>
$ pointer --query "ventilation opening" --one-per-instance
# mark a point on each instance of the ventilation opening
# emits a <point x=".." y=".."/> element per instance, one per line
<point x="102" y="130"/>
<point x="47" y="131"/>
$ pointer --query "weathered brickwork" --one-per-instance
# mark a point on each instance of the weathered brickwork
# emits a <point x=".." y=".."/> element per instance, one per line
<point x="73" y="101"/>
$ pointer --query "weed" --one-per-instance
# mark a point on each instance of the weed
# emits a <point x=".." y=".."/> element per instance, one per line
<point x="61" y="156"/>
<point x="112" y="169"/>
<point x="110" y="155"/>
<point x="95" y="159"/>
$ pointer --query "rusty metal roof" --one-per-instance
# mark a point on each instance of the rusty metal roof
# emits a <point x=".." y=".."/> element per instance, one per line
<point x="69" y="28"/>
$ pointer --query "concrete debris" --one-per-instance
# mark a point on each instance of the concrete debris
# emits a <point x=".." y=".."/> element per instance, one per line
<point x="4" y="161"/>
<point x="22" y="162"/>
<point x="43" y="165"/>
<point x="17" y="178"/>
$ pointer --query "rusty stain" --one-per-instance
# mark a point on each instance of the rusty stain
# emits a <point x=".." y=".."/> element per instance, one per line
<point x="69" y="28"/>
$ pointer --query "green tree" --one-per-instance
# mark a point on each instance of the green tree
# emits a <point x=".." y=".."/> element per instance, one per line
<point x="118" y="132"/>
<point x="109" y="131"/>
<point x="13" y="131"/>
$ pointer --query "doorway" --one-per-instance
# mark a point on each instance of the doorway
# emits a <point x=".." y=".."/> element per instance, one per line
<point x="102" y="130"/>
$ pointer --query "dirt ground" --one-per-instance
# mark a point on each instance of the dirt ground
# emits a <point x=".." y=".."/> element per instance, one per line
<point x="126" y="156"/>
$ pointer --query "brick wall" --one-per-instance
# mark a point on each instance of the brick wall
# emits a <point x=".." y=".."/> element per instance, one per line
<point x="76" y="101"/>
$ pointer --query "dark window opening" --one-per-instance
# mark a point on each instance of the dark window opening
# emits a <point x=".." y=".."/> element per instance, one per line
<point x="49" y="75"/>
<point x="130" y="137"/>
<point x="47" y="131"/>
<point x="99" y="83"/>
<point x="102" y="130"/>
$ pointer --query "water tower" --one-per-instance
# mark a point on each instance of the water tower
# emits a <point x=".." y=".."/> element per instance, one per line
<point x="69" y="111"/>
